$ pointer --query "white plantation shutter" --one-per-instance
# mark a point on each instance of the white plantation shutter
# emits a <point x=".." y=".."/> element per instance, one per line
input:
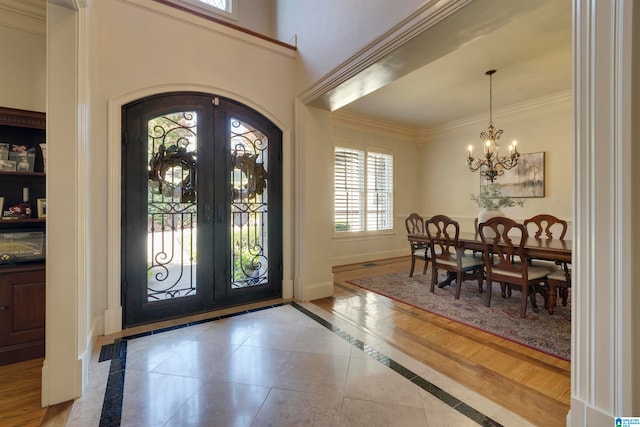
<point x="379" y="191"/>
<point x="349" y="189"/>
<point x="363" y="204"/>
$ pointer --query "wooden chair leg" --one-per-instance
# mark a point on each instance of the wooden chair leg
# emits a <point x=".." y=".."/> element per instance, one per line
<point x="413" y="265"/>
<point x="458" y="284"/>
<point x="565" y="295"/>
<point x="523" y="301"/>
<point x="434" y="276"/>
<point x="487" y="300"/>
<point x="503" y="288"/>
<point x="531" y="291"/>
<point x="551" y="296"/>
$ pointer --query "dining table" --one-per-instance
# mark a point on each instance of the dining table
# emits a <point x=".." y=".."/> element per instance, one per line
<point x="557" y="250"/>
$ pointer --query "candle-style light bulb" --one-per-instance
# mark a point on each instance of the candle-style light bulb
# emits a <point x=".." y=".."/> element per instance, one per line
<point x="487" y="147"/>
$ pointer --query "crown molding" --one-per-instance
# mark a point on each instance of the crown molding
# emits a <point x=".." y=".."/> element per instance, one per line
<point x="375" y="125"/>
<point x="421" y="136"/>
<point x="427" y="15"/>
<point x="528" y="105"/>
<point x="24" y="15"/>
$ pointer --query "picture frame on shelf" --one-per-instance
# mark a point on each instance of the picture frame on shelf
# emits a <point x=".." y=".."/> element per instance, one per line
<point x="7" y="165"/>
<point x="4" y="150"/>
<point x="42" y="208"/>
<point x="43" y="148"/>
<point x="1" y="205"/>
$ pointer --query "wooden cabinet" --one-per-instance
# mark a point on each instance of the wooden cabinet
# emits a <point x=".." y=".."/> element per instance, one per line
<point x="22" y="284"/>
<point x="22" y="312"/>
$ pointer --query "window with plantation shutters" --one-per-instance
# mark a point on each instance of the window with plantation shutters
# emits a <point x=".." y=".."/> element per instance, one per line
<point x="379" y="191"/>
<point x="363" y="190"/>
<point x="349" y="189"/>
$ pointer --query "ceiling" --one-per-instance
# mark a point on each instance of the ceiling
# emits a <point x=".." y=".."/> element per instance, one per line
<point x="529" y="46"/>
<point x="438" y="76"/>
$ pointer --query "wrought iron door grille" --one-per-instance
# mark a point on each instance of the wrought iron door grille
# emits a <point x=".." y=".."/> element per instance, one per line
<point x="172" y="206"/>
<point x="249" y="219"/>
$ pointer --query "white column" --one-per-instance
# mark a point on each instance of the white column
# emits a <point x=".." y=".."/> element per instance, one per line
<point x="602" y="346"/>
<point x="313" y="278"/>
<point x="66" y="304"/>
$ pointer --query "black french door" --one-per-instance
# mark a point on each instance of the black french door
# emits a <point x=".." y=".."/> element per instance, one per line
<point x="201" y="206"/>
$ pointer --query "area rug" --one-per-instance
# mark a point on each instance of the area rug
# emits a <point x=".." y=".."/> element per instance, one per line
<point x="550" y="334"/>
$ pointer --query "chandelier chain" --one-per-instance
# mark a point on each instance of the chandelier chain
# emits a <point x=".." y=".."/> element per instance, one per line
<point x="491" y="96"/>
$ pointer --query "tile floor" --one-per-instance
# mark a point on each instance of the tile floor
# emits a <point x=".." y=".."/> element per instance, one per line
<point x="286" y="365"/>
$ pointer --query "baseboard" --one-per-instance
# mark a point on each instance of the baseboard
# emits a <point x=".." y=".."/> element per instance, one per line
<point x="316" y="291"/>
<point x="62" y="382"/>
<point x="95" y="330"/>
<point x="583" y="414"/>
<point x="287" y="289"/>
<point x="112" y="320"/>
<point x="371" y="256"/>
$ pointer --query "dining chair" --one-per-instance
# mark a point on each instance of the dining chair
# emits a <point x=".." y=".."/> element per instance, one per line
<point x="503" y="240"/>
<point x="559" y="282"/>
<point x="415" y="225"/>
<point x="547" y="226"/>
<point x="447" y="254"/>
<point x="544" y="225"/>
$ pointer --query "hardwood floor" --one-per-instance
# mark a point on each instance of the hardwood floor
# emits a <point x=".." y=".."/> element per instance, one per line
<point x="530" y="383"/>
<point x="527" y="382"/>
<point x="20" y="394"/>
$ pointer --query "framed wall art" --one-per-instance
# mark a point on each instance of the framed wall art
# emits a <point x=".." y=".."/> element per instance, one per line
<point x="526" y="179"/>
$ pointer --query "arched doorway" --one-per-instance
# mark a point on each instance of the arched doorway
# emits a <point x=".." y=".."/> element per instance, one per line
<point x="201" y="206"/>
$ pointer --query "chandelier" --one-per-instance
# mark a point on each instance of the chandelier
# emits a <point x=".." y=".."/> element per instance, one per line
<point x="491" y="162"/>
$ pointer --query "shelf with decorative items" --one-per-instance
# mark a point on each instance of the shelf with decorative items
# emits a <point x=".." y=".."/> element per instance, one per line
<point x="22" y="234"/>
<point x="22" y="167"/>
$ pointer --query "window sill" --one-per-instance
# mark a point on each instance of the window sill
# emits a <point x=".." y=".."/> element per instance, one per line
<point x="364" y="235"/>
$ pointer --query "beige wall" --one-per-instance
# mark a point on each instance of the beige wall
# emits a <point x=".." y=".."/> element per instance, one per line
<point x="409" y="181"/>
<point x="314" y="202"/>
<point x="22" y="74"/>
<point x="327" y="32"/>
<point x="126" y="69"/>
<point x="432" y="177"/>
<point x="176" y="51"/>
<point x="542" y="125"/>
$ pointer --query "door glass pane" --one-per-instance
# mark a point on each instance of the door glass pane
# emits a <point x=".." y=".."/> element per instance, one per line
<point x="249" y="220"/>
<point x="171" y="238"/>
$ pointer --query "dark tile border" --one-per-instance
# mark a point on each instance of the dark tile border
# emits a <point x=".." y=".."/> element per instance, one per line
<point x="111" y="415"/>
<point x="112" y="405"/>
<point x="429" y="387"/>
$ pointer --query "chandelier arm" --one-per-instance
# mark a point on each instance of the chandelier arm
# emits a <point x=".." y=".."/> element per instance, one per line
<point x="474" y="165"/>
<point x="507" y="162"/>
